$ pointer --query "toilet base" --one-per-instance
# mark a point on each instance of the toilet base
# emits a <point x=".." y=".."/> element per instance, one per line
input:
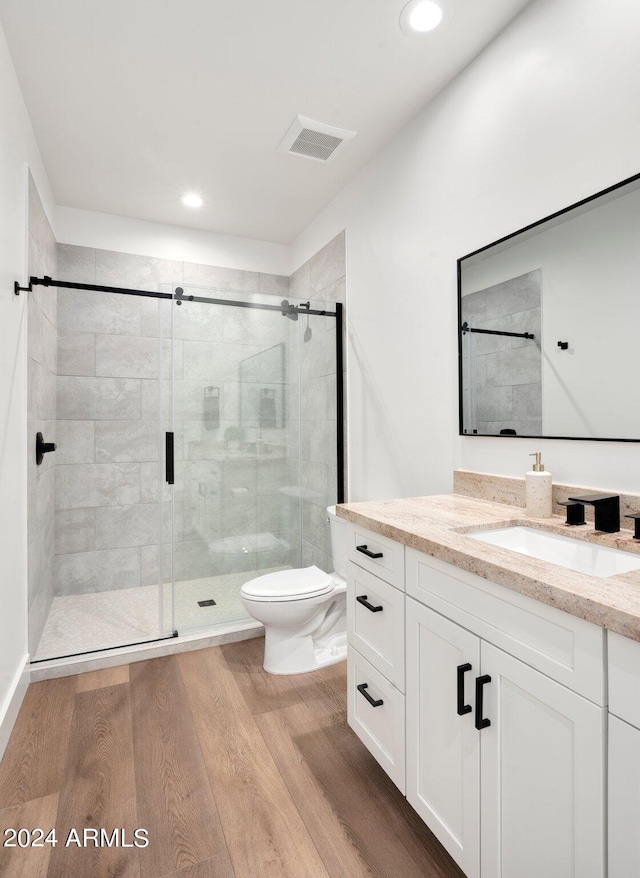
<point x="302" y="654"/>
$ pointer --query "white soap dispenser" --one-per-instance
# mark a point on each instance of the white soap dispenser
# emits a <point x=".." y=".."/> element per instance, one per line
<point x="538" y="489"/>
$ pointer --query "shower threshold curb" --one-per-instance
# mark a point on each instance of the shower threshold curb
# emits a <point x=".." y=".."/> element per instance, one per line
<point x="228" y="633"/>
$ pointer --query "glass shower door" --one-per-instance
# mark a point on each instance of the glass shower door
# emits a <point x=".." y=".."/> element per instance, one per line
<point x="235" y="418"/>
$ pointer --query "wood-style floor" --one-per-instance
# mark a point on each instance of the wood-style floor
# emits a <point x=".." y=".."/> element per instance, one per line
<point x="232" y="771"/>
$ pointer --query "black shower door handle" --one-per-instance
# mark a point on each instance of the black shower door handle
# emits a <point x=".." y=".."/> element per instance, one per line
<point x="481" y="722"/>
<point x="374" y="702"/>
<point x="462" y="707"/>
<point x="362" y="599"/>
<point x="168" y="458"/>
<point x="366" y="552"/>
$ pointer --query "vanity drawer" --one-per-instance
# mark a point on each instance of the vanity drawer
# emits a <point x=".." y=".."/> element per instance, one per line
<point x="564" y="647"/>
<point x="624" y="678"/>
<point x="375" y="622"/>
<point x="379" y="725"/>
<point x="379" y="555"/>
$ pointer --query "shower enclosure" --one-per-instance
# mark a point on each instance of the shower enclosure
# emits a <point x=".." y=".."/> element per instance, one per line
<point x="199" y="434"/>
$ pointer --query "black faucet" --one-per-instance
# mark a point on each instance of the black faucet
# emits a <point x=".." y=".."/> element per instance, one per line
<point x="606" y="508"/>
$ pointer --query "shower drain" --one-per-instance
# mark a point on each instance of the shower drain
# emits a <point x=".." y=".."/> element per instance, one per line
<point x="208" y="603"/>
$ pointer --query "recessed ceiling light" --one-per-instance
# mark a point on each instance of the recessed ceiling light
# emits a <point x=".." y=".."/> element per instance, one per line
<point x="192" y="200"/>
<point x="420" y="16"/>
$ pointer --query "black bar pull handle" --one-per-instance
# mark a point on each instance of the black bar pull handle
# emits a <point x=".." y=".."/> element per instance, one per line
<point x="362" y="689"/>
<point x="481" y="722"/>
<point x="362" y="599"/>
<point x="169" y="460"/>
<point x="462" y="707"/>
<point x="366" y="552"/>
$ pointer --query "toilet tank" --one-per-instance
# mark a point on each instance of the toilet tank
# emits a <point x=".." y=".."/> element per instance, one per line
<point x="338" y="532"/>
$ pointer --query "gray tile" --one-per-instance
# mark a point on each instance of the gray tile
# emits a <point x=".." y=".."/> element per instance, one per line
<point x="240" y="515"/>
<point x="126" y="441"/>
<point x="32" y="510"/>
<point x="254" y="326"/>
<point x="45" y="497"/>
<point x="76" y="264"/>
<point x="327" y="265"/>
<point x="40" y="558"/>
<point x="105" y="484"/>
<point x="41" y="392"/>
<point x="85" y="311"/>
<point x="198" y="321"/>
<point x="516" y="294"/>
<point x="192" y="560"/>
<point x="522" y="321"/>
<point x="527" y="402"/>
<point x="75" y="442"/>
<point x="76" y="353"/>
<point x="311" y="555"/>
<point x="274" y="284"/>
<point x="215" y="362"/>
<point x="38" y="613"/>
<point x="151" y="478"/>
<point x="336" y="292"/>
<point x="315" y="527"/>
<point x="121" y="356"/>
<point x="221" y="278"/>
<point x="520" y="366"/>
<point x="81" y="398"/>
<point x="318" y="441"/>
<point x="137" y="272"/>
<point x="87" y="572"/>
<point x="318" y="353"/>
<point x="123" y="526"/>
<point x="474" y="308"/>
<point x="275" y="513"/>
<point x="239" y="479"/>
<point x="494" y="403"/>
<point x="75" y="531"/>
<point x="271" y="475"/>
<point x="300" y="283"/>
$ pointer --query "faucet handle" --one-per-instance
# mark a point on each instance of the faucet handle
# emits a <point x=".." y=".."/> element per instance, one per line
<point x="636" y="522"/>
<point x="606" y="508"/>
<point x="575" y="511"/>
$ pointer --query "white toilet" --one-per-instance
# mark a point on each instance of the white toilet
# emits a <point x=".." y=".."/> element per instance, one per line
<point x="303" y="611"/>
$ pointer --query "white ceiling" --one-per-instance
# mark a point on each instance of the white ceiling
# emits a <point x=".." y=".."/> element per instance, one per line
<point x="134" y="103"/>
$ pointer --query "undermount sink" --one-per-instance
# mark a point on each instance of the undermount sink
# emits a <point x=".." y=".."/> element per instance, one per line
<point x="567" y="552"/>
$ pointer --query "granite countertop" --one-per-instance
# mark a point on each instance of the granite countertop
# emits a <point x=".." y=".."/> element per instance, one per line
<point x="438" y="525"/>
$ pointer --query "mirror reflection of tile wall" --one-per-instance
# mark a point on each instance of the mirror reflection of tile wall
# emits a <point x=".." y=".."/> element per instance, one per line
<point x="502" y="375"/>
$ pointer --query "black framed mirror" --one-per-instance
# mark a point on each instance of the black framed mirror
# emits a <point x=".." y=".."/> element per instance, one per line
<point x="548" y="321"/>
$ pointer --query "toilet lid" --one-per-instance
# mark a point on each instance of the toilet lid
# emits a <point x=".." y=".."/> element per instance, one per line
<point x="286" y="584"/>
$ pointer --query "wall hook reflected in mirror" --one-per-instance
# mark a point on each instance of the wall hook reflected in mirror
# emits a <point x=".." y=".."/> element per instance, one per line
<point x="563" y="345"/>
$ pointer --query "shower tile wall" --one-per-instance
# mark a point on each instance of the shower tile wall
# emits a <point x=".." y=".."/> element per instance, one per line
<point x="321" y="280"/>
<point x="107" y="483"/>
<point x="507" y="372"/>
<point x="41" y="349"/>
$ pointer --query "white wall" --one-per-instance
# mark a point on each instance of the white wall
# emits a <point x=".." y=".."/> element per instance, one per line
<point x="17" y="148"/>
<point x="541" y="119"/>
<point x="107" y="232"/>
<point x="590" y="265"/>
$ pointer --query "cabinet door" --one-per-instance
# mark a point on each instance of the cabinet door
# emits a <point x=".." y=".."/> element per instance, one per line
<point x="624" y="799"/>
<point x="542" y="766"/>
<point x="443" y="756"/>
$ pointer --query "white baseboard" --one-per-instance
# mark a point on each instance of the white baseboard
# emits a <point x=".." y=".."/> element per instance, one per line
<point x="13" y="702"/>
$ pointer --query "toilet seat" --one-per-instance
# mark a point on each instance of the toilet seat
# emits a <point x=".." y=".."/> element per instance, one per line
<point x="289" y="585"/>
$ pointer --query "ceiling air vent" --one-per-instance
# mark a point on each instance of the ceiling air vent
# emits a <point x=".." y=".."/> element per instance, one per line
<point x="314" y="140"/>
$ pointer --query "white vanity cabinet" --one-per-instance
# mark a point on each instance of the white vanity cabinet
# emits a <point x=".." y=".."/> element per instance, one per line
<point x="376" y="648"/>
<point x="505" y="716"/>
<point x="504" y="765"/>
<point x="624" y="757"/>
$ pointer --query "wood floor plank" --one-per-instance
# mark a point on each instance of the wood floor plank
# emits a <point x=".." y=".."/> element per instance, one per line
<point x="175" y="802"/>
<point x="369" y="783"/>
<point x="31" y="862"/>
<point x="99" y="789"/>
<point x="263" y="829"/>
<point x="105" y="677"/>
<point x="261" y="691"/>
<point x="346" y="811"/>
<point x="32" y="767"/>
<point x="216" y="867"/>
